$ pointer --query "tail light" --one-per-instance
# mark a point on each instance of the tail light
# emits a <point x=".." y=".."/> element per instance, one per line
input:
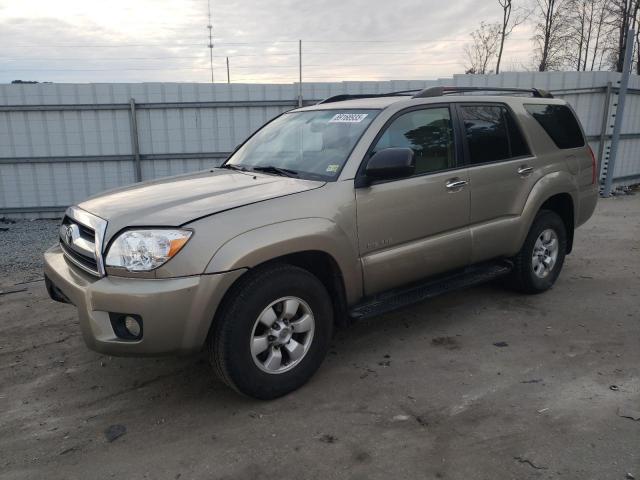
<point x="594" y="167"/>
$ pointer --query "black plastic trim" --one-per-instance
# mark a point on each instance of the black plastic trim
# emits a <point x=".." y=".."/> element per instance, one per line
<point x="416" y="292"/>
<point x="54" y="292"/>
<point x="444" y="90"/>
<point x="354" y="96"/>
<point x="117" y="323"/>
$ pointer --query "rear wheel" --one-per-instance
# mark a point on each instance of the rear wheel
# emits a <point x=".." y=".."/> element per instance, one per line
<point x="538" y="264"/>
<point x="273" y="331"/>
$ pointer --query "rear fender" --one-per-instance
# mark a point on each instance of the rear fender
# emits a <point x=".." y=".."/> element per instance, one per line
<point x="554" y="183"/>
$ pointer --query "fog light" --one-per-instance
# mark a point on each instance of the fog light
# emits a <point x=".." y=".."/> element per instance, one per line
<point x="133" y="326"/>
<point x="126" y="326"/>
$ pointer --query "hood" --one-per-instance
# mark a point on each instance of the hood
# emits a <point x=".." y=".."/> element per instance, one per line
<point x="174" y="201"/>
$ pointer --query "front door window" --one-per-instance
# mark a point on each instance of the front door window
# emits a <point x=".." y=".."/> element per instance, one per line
<point x="428" y="132"/>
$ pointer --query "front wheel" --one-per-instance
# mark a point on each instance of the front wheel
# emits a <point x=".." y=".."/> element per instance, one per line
<point x="538" y="264"/>
<point x="273" y="331"/>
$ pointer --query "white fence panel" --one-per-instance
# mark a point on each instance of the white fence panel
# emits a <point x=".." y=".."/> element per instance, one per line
<point x="60" y="143"/>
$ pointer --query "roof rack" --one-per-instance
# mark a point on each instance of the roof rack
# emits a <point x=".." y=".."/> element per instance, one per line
<point x="349" y="96"/>
<point x="436" y="92"/>
<point x="440" y="91"/>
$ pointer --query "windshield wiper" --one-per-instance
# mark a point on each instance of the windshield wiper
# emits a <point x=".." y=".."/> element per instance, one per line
<point x="231" y="166"/>
<point x="285" y="172"/>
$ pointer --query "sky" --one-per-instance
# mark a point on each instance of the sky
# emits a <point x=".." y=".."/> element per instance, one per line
<point x="166" y="40"/>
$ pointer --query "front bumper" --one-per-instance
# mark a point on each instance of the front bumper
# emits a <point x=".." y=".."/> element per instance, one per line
<point x="176" y="312"/>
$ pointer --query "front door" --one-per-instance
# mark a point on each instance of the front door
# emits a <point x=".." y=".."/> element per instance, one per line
<point x="415" y="227"/>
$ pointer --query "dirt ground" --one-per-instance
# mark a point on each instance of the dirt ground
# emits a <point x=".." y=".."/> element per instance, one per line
<point x="420" y="393"/>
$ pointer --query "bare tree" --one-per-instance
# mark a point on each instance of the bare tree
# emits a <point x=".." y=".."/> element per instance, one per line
<point x="551" y="33"/>
<point x="638" y="52"/>
<point x="624" y="15"/>
<point x="600" y="30"/>
<point x="483" y="48"/>
<point x="568" y="34"/>
<point x="586" y="20"/>
<point x="583" y="30"/>
<point x="510" y="19"/>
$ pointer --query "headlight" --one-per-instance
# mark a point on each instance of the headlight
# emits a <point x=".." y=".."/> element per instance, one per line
<point x="144" y="250"/>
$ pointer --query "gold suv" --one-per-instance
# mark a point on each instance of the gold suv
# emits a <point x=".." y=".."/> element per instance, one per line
<point x="349" y="208"/>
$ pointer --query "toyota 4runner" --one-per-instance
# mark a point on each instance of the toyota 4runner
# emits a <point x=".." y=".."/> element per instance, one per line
<point x="341" y="210"/>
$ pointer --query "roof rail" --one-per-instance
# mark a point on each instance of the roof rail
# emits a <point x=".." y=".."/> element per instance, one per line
<point x="349" y="96"/>
<point x="440" y="91"/>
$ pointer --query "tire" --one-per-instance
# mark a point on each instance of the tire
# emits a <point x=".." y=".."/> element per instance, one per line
<point x="269" y="294"/>
<point x="531" y="276"/>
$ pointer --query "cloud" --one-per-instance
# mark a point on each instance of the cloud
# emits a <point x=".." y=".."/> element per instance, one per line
<point x="165" y="40"/>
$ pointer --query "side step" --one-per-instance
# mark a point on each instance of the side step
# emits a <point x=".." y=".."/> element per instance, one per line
<point x="401" y="297"/>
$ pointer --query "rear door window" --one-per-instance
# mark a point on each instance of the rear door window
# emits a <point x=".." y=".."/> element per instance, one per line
<point x="560" y="124"/>
<point x="492" y="134"/>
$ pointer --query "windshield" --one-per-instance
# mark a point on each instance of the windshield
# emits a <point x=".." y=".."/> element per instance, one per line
<point x="313" y="144"/>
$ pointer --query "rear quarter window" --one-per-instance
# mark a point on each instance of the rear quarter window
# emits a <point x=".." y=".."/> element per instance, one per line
<point x="560" y="124"/>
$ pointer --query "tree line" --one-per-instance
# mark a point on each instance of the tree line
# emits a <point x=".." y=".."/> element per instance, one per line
<point x="579" y="35"/>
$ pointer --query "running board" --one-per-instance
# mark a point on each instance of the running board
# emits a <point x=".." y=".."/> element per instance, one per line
<point x="401" y="297"/>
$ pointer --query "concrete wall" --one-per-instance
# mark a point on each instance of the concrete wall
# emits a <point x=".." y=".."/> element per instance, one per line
<point x="60" y="143"/>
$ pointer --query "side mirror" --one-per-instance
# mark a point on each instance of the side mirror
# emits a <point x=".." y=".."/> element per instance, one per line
<point x="391" y="163"/>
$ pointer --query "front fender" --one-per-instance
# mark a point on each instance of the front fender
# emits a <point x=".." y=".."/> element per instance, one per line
<point x="266" y="243"/>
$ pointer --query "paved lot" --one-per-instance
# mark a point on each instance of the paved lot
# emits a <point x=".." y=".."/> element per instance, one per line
<point x="421" y="393"/>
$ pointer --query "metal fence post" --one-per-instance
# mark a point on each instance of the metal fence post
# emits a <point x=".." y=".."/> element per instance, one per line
<point x="135" y="146"/>
<point x="617" y="126"/>
<point x="604" y="127"/>
<point x="299" y="73"/>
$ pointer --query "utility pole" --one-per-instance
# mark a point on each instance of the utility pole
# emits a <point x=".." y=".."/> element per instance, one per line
<point x="299" y="73"/>
<point x="210" y="45"/>
<point x="228" y="76"/>
<point x="617" y="126"/>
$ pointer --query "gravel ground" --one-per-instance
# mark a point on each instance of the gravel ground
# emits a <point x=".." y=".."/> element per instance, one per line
<point x="478" y="384"/>
<point x="23" y="243"/>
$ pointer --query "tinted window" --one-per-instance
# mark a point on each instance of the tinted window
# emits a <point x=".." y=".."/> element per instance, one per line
<point x="559" y="123"/>
<point x="517" y="143"/>
<point x="429" y="133"/>
<point x="492" y="134"/>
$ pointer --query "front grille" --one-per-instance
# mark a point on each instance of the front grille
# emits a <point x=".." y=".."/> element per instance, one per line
<point x="79" y="233"/>
<point x="86" y="232"/>
<point x="84" y="261"/>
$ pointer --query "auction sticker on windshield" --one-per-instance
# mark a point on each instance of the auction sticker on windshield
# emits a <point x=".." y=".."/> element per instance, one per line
<point x="348" y="117"/>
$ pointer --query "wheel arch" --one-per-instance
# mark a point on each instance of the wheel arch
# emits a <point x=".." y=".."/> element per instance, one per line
<point x="323" y="266"/>
<point x="562" y="204"/>
<point x="315" y="244"/>
<point x="556" y="192"/>
<point x="320" y="264"/>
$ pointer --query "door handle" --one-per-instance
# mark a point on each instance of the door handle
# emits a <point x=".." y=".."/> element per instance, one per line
<point x="524" y="171"/>
<point x="455" y="184"/>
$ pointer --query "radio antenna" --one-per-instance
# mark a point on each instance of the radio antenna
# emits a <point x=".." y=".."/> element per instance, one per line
<point x="210" y="45"/>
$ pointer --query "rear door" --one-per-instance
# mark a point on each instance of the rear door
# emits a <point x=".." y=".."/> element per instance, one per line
<point x="502" y="172"/>
<point x="414" y="227"/>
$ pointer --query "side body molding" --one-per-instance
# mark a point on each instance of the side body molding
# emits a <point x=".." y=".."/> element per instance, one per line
<point x="262" y="244"/>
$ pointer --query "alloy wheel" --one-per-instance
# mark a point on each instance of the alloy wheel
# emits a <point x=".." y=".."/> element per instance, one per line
<point x="282" y="335"/>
